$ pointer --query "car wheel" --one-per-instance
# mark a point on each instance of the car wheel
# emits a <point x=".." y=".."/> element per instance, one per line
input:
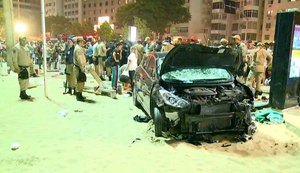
<point x="158" y="122"/>
<point x="134" y="97"/>
<point x="251" y="129"/>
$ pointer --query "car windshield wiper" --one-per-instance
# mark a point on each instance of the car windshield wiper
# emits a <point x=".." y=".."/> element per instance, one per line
<point x="199" y="80"/>
<point x="178" y="80"/>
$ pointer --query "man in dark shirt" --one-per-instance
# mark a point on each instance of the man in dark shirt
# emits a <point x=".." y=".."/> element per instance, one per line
<point x="71" y="80"/>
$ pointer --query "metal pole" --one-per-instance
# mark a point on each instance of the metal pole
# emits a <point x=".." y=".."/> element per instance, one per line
<point x="9" y="30"/>
<point x="44" y="47"/>
<point x="18" y="9"/>
<point x="246" y="30"/>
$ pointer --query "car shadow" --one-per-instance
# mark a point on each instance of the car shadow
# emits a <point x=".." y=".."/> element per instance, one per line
<point x="90" y="101"/>
<point x="226" y="139"/>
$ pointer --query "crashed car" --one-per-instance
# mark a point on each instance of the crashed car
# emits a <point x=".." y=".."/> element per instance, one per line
<point x="192" y="90"/>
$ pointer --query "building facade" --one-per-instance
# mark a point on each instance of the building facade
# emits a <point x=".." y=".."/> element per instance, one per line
<point x="54" y="7"/>
<point x="71" y="9"/>
<point x="200" y="23"/>
<point x="27" y="12"/>
<point x="98" y="11"/>
<point x="247" y="20"/>
<point x="272" y="7"/>
<point x="252" y="20"/>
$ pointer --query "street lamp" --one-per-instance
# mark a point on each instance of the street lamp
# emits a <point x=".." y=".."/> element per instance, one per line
<point x="20" y="28"/>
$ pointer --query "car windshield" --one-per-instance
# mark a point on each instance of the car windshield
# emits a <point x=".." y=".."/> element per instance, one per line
<point x="197" y="75"/>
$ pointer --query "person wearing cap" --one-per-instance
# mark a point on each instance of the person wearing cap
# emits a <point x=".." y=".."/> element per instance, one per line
<point x="243" y="66"/>
<point x="257" y="68"/>
<point x="166" y="45"/>
<point x="79" y="68"/>
<point x="21" y="64"/>
<point x="70" y="75"/>
<point x="223" y="43"/>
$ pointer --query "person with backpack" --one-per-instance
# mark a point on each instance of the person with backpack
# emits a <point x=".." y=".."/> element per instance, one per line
<point x="117" y="57"/>
<point x="109" y="52"/>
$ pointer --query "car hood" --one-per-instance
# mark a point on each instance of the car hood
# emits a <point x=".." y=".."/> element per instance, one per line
<point x="198" y="56"/>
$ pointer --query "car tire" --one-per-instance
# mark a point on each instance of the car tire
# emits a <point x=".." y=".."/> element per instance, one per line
<point x="134" y="97"/>
<point x="158" y="122"/>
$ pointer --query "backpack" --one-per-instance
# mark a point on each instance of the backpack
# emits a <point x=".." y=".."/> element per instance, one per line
<point x="109" y="62"/>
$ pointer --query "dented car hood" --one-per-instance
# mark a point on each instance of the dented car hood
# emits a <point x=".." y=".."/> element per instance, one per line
<point x="197" y="56"/>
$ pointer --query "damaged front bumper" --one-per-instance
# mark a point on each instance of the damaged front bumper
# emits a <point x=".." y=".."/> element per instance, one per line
<point x="208" y="119"/>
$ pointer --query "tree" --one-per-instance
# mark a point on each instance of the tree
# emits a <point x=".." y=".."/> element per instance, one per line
<point x="125" y="33"/>
<point x="59" y="24"/>
<point x="87" y="28"/>
<point x="143" y="30"/>
<point x="157" y="14"/>
<point x="105" y="31"/>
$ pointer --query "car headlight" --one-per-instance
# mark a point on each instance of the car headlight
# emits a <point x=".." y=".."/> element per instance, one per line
<point x="173" y="100"/>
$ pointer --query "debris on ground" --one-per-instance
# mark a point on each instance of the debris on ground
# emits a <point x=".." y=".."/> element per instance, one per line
<point x="63" y="113"/>
<point x="226" y="144"/>
<point x="136" y="139"/>
<point x="269" y="116"/>
<point x="141" y="118"/>
<point x="15" y="146"/>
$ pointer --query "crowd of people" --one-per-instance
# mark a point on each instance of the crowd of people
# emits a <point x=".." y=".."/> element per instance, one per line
<point x="114" y="60"/>
<point x="256" y="65"/>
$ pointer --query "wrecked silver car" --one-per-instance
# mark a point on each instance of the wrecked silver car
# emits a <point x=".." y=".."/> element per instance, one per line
<point x="192" y="90"/>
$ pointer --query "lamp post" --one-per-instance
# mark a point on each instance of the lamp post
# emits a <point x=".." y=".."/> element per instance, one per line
<point x="44" y="46"/>
<point x="8" y="18"/>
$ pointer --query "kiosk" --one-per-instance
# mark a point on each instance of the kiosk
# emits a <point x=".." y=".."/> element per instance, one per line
<point x="285" y="80"/>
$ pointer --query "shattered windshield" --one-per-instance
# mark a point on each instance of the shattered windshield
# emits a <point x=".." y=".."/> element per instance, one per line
<point x="195" y="75"/>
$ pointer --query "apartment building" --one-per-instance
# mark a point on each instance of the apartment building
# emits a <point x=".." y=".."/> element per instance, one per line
<point x="247" y="20"/>
<point x="54" y="7"/>
<point x="71" y="9"/>
<point x="98" y="11"/>
<point x="200" y="23"/>
<point x="272" y="7"/>
<point x="27" y="12"/>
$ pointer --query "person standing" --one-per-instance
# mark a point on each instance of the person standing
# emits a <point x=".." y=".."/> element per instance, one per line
<point x="102" y="57"/>
<point x="79" y="68"/>
<point x="149" y="45"/>
<point x="117" y="56"/>
<point x="140" y="51"/>
<point x="71" y="80"/>
<point x="59" y="49"/>
<point x="223" y="43"/>
<point x="96" y="57"/>
<point x="132" y="65"/>
<point x="243" y="66"/>
<point x="21" y="64"/>
<point x="166" y="45"/>
<point x="89" y="53"/>
<point x="257" y="68"/>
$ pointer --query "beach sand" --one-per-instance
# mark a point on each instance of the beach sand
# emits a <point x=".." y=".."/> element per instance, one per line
<point x="61" y="135"/>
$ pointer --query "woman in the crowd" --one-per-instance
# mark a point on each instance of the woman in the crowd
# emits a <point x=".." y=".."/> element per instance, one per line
<point x="117" y="56"/>
<point x="132" y="65"/>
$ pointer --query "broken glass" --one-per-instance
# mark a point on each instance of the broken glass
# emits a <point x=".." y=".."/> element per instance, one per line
<point x="192" y="75"/>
